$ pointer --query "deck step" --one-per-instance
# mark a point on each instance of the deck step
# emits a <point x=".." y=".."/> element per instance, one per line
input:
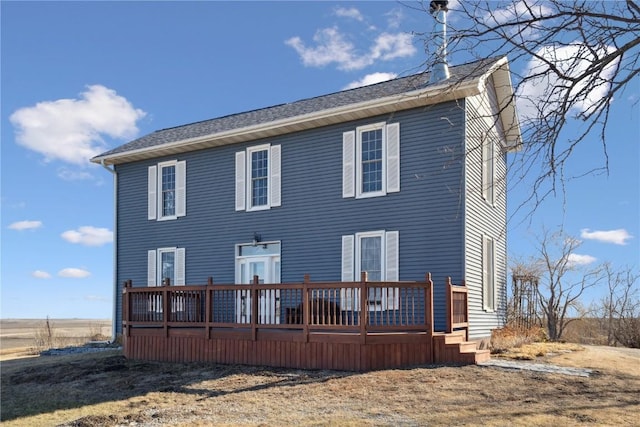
<point x="453" y="348"/>
<point x="467" y="347"/>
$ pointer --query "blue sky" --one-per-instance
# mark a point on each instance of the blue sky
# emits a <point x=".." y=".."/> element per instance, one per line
<point x="79" y="78"/>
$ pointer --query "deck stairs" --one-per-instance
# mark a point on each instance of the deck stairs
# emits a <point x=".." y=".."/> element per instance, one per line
<point x="453" y="349"/>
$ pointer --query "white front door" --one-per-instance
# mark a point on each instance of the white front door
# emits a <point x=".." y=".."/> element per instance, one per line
<point x="261" y="260"/>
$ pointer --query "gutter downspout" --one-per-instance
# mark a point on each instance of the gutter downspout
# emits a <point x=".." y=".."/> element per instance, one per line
<point x="115" y="246"/>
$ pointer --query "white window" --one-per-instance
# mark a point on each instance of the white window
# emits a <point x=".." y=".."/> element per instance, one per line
<point x="376" y="253"/>
<point x="167" y="190"/>
<point x="371" y="161"/>
<point x="258" y="178"/>
<point x="488" y="170"/>
<point x="488" y="274"/>
<point x="166" y="263"/>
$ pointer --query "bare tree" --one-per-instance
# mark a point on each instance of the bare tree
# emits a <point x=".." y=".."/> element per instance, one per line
<point x="619" y="310"/>
<point x="563" y="280"/>
<point x="570" y="60"/>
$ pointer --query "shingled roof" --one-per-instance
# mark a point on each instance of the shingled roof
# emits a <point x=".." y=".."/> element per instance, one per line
<point x="289" y="117"/>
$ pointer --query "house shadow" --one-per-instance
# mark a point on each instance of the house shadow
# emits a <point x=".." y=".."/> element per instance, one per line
<point x="53" y="383"/>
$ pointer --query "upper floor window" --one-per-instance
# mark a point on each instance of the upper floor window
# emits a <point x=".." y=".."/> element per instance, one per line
<point x="488" y="171"/>
<point x="371" y="160"/>
<point x="167" y="190"/>
<point x="258" y="177"/>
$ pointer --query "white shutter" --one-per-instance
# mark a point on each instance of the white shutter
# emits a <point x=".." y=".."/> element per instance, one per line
<point x="393" y="157"/>
<point x="152" y="203"/>
<point x="392" y="264"/>
<point x="488" y="292"/>
<point x="349" y="297"/>
<point x="240" y="180"/>
<point x="181" y="188"/>
<point x="348" y="163"/>
<point x="151" y="268"/>
<point x="180" y="267"/>
<point x="275" y="180"/>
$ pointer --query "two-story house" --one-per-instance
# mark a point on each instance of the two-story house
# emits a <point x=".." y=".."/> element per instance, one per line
<point x="394" y="179"/>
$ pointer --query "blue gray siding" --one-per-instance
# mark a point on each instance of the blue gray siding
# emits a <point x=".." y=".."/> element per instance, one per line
<point x="427" y="212"/>
<point x="482" y="218"/>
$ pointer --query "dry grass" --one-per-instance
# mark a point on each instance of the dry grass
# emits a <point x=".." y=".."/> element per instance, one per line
<point x="108" y="390"/>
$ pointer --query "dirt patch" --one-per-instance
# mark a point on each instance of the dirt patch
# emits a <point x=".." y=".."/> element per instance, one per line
<point x="108" y="390"/>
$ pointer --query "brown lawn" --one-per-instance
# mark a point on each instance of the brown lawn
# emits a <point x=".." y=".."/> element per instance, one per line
<point x="107" y="390"/>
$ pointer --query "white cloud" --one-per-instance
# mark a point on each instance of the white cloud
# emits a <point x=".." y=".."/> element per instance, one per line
<point x="89" y="236"/>
<point x="71" y="130"/>
<point x="617" y="237"/>
<point x="577" y="259"/>
<point x="39" y="274"/>
<point x="351" y="12"/>
<point x="74" y="273"/>
<point x="331" y="46"/>
<point x="514" y="12"/>
<point x="370" y="79"/>
<point x="543" y="91"/>
<point x="25" y="225"/>
<point x="74" y="175"/>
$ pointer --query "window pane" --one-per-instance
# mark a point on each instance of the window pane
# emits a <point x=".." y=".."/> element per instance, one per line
<point x="371" y="257"/>
<point x="259" y="177"/>
<point x="168" y="190"/>
<point x="168" y="266"/>
<point x="371" y="145"/>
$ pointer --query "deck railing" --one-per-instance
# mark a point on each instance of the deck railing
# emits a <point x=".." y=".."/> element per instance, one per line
<point x="355" y="308"/>
<point x="457" y="307"/>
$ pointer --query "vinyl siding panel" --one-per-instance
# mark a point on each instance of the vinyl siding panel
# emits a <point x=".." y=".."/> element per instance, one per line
<point x="482" y="217"/>
<point x="313" y="216"/>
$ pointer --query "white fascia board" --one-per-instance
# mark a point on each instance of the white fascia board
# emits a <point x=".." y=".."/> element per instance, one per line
<point x="417" y="98"/>
<point x="506" y="103"/>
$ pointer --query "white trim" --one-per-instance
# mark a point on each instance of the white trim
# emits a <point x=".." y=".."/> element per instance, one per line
<point x="348" y="164"/>
<point x="359" y="131"/>
<point x="180" y="191"/>
<point x="241" y="186"/>
<point x="488" y="171"/>
<point x="152" y="191"/>
<point x="488" y="274"/>
<point x="244" y="182"/>
<point x="251" y="150"/>
<point x="392" y="144"/>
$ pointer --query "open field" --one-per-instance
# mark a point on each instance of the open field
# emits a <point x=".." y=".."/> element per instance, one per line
<point x="21" y="337"/>
<point x="107" y="390"/>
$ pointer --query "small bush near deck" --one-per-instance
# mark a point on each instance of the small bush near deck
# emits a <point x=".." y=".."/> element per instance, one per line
<point x="515" y="337"/>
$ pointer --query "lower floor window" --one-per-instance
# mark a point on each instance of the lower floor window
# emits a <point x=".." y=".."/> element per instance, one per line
<point x="376" y="254"/>
<point x="166" y="266"/>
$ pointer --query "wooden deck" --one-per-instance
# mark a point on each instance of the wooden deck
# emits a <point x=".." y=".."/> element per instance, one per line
<point x="355" y="326"/>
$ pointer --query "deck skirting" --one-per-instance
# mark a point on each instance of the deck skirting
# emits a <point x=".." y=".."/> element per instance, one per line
<point x="330" y="351"/>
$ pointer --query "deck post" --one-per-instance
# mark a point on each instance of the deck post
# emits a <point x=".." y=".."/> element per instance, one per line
<point x="208" y="296"/>
<point x="254" y="307"/>
<point x="305" y="307"/>
<point x="364" y="301"/>
<point x="449" y="303"/>
<point x="126" y="313"/>
<point x="466" y="306"/>
<point x="166" y="306"/>
<point x="428" y="302"/>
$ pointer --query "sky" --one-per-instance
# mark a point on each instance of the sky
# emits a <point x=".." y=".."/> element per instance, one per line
<point x="79" y="78"/>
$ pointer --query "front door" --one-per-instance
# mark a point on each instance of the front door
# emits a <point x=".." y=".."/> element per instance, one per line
<point x="261" y="260"/>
